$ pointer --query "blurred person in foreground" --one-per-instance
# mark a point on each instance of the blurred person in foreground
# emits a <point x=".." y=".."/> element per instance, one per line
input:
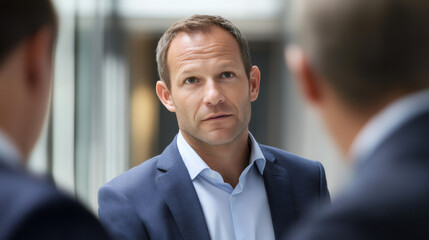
<point x="31" y="207"/>
<point x="364" y="65"/>
<point x="214" y="181"/>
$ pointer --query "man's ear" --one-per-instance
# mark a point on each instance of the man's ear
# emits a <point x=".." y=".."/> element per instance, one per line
<point x="255" y="79"/>
<point x="164" y="95"/>
<point x="307" y="80"/>
<point x="38" y="68"/>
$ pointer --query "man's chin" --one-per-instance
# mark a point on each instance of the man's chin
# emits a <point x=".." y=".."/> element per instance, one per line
<point x="223" y="137"/>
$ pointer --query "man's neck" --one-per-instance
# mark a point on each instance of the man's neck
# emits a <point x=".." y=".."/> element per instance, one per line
<point x="345" y="122"/>
<point x="229" y="160"/>
<point x="8" y="151"/>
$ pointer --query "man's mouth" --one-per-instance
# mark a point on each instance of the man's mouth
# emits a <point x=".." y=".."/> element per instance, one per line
<point x="217" y="117"/>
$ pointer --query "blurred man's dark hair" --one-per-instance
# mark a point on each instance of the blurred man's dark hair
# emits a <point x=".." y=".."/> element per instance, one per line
<point x="20" y="19"/>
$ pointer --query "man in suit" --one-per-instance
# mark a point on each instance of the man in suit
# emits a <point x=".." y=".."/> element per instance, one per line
<point x="364" y="65"/>
<point x="31" y="207"/>
<point x="214" y="181"/>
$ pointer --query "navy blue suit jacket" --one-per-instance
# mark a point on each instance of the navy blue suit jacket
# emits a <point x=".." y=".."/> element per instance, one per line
<point x="32" y="208"/>
<point x="389" y="197"/>
<point x="157" y="200"/>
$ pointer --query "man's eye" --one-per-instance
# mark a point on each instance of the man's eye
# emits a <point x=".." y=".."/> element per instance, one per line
<point x="191" y="80"/>
<point x="227" y="75"/>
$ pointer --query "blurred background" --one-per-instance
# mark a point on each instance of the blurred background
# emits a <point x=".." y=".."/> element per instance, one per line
<point x="105" y="116"/>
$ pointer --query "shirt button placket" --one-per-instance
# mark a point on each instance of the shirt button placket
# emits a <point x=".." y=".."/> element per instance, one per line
<point x="233" y="200"/>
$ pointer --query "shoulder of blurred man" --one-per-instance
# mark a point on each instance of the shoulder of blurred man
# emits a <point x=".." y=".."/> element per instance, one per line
<point x="387" y="199"/>
<point x="32" y="208"/>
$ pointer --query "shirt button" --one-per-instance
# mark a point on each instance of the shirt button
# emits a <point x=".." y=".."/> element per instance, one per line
<point x="212" y="175"/>
<point x="233" y="199"/>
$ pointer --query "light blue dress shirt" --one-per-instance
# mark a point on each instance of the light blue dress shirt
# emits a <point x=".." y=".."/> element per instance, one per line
<point x="381" y="126"/>
<point x="240" y="213"/>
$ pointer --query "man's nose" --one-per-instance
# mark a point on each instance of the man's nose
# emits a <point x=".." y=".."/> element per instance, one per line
<point x="213" y="92"/>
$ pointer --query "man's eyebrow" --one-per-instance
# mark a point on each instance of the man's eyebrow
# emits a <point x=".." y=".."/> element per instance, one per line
<point x="228" y="64"/>
<point x="186" y="72"/>
<point x="193" y="71"/>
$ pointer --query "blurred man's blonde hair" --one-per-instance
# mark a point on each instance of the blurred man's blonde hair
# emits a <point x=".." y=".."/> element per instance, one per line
<point x="366" y="49"/>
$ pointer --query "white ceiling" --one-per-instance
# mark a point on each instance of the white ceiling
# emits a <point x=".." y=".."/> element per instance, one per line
<point x="238" y="9"/>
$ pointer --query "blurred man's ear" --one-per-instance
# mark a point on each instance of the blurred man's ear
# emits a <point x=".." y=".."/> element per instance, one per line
<point x="39" y="60"/>
<point x="306" y="79"/>
<point x="164" y="95"/>
<point x="255" y="78"/>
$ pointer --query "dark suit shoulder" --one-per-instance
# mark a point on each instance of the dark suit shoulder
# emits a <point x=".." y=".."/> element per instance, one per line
<point x="140" y="175"/>
<point x="132" y="205"/>
<point x="21" y="193"/>
<point x="388" y="196"/>
<point x="32" y="208"/>
<point x="143" y="176"/>
<point x="306" y="176"/>
<point x="291" y="161"/>
<point x="59" y="218"/>
<point x="391" y="207"/>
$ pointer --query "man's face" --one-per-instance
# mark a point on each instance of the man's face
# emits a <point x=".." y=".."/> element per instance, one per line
<point x="210" y="91"/>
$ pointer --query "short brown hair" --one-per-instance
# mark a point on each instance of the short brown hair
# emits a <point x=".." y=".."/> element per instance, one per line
<point x="366" y="49"/>
<point x="193" y="24"/>
<point x="20" y="19"/>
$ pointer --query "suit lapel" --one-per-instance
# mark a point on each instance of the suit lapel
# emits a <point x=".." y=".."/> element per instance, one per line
<point x="280" y="198"/>
<point x="179" y="193"/>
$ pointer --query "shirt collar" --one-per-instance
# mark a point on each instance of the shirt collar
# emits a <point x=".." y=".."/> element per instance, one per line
<point x="192" y="160"/>
<point x="8" y="152"/>
<point x="256" y="154"/>
<point x="386" y="122"/>
<point x="196" y="165"/>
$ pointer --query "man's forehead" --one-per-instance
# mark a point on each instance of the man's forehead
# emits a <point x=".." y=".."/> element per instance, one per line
<point x="200" y="33"/>
<point x="205" y="45"/>
<point x="189" y="51"/>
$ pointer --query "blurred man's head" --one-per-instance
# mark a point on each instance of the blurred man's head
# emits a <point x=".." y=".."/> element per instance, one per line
<point x="27" y="30"/>
<point x="359" y="55"/>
